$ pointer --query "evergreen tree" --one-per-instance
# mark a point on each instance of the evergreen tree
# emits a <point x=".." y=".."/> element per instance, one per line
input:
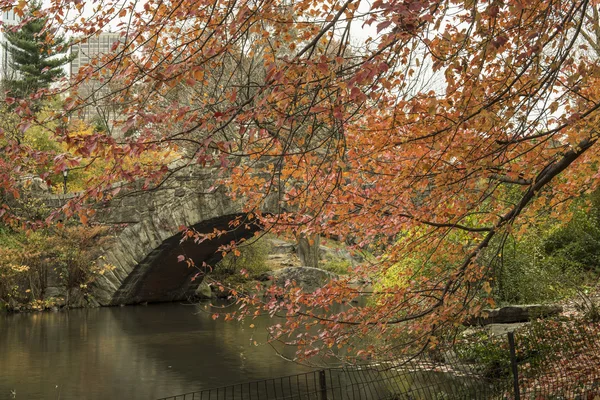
<point x="35" y="54"/>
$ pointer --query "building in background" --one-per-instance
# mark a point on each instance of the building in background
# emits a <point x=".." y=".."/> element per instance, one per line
<point x="91" y="48"/>
<point x="6" y="72"/>
<point x="95" y="93"/>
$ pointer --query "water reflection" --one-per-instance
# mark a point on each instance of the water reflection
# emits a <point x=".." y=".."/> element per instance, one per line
<point x="130" y="353"/>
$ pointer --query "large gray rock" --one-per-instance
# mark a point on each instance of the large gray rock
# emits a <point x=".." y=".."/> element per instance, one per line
<point x="517" y="313"/>
<point x="78" y="299"/>
<point x="203" y="291"/>
<point x="281" y="247"/>
<point x="307" y="278"/>
<point x="54" y="291"/>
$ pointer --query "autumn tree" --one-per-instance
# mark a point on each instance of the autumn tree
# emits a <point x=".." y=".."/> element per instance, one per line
<point x="400" y="124"/>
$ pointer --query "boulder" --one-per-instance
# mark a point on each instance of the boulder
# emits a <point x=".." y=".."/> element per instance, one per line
<point x="78" y="299"/>
<point x="282" y="247"/>
<point x="13" y="305"/>
<point x="203" y="291"/>
<point x="516" y="313"/>
<point x="54" y="291"/>
<point x="307" y="278"/>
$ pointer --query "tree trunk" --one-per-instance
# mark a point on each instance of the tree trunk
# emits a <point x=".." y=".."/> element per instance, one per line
<point x="308" y="250"/>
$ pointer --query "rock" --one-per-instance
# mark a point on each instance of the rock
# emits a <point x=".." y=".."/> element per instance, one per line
<point x="276" y="261"/>
<point x="517" y="313"/>
<point x="306" y="277"/>
<point x="203" y="291"/>
<point x="264" y="277"/>
<point x="340" y="252"/>
<point x="327" y="253"/>
<point x="221" y="294"/>
<point x="503" y="329"/>
<point x="76" y="299"/>
<point x="282" y="247"/>
<point x="54" y="291"/>
<point x="92" y="302"/>
<point x="13" y="305"/>
<point x="60" y="301"/>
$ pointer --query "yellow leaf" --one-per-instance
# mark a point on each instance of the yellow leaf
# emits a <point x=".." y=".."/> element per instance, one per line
<point x="486" y="287"/>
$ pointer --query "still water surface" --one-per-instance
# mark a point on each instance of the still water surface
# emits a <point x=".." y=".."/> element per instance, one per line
<point x="130" y="353"/>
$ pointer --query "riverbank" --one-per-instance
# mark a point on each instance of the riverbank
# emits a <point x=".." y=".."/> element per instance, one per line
<point x="56" y="280"/>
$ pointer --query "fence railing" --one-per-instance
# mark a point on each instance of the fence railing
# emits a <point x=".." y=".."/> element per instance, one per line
<point x="418" y="379"/>
<point x="528" y="364"/>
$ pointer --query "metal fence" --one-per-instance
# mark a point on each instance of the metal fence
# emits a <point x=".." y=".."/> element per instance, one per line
<point x="555" y="360"/>
<point x="528" y="364"/>
<point x="421" y="378"/>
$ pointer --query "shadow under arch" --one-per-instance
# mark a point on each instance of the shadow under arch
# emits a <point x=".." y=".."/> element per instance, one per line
<point x="160" y="277"/>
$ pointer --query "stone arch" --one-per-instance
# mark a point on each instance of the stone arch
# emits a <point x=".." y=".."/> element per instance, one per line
<point x="144" y="252"/>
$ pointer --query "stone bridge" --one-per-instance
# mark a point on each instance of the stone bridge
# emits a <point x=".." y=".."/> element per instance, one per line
<point x="145" y="248"/>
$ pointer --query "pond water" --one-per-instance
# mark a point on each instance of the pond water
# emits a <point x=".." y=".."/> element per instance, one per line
<point x="138" y="352"/>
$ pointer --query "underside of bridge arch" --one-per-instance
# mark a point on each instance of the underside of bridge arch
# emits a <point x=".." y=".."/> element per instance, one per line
<point x="160" y="277"/>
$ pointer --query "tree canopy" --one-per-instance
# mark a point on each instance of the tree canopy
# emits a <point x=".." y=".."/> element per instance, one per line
<point x="430" y="128"/>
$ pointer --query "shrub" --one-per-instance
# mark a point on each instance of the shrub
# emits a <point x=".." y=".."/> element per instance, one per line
<point x="525" y="274"/>
<point x="490" y="353"/>
<point x="549" y="261"/>
<point x="251" y="258"/>
<point x="26" y="259"/>
<point x="337" y="265"/>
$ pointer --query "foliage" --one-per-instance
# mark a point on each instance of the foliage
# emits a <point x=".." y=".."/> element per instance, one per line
<point x="28" y="258"/>
<point x="576" y="244"/>
<point x="85" y="170"/>
<point x="488" y="351"/>
<point x="420" y="127"/>
<point x="337" y="265"/>
<point x="550" y="261"/>
<point x="525" y="275"/>
<point x="249" y="260"/>
<point x="35" y="51"/>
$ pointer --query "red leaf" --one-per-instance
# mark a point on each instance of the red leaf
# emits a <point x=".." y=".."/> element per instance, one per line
<point x="382" y="25"/>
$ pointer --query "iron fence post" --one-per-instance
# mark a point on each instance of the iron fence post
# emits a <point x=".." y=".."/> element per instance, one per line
<point x="513" y="364"/>
<point x="323" y="384"/>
